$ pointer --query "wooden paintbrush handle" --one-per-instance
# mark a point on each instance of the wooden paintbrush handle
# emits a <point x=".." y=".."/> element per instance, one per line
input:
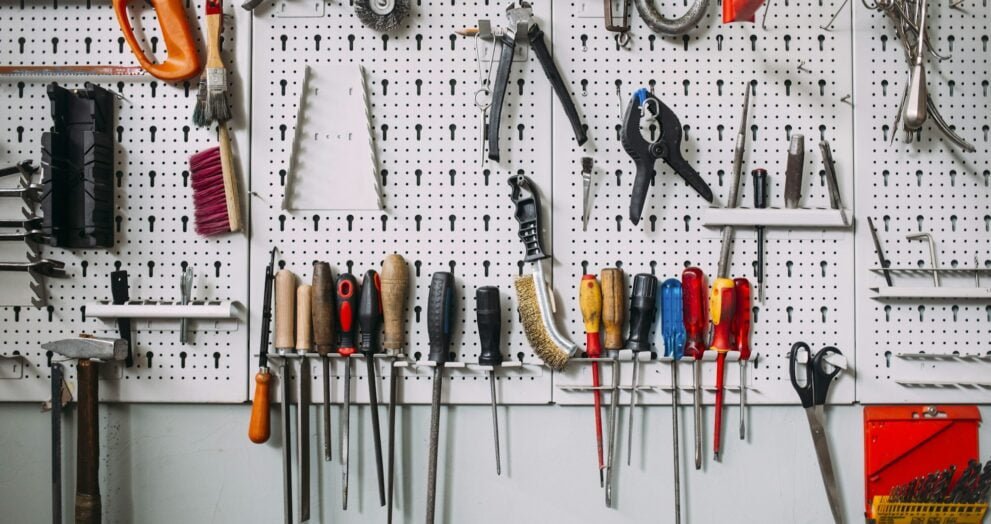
<point x="285" y="310"/>
<point x="214" y="26"/>
<point x="231" y="190"/>
<point x="613" y="307"/>
<point x="395" y="290"/>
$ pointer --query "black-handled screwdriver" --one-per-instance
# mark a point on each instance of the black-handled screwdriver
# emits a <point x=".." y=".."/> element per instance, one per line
<point x="347" y="330"/>
<point x="370" y="321"/>
<point x="643" y="308"/>
<point x="489" y="316"/>
<point x="440" y="320"/>
<point x="760" y="202"/>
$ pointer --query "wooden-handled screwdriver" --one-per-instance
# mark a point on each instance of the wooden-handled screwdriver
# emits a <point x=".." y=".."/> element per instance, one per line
<point x="440" y="325"/>
<point x="590" y="302"/>
<point x="489" y="316"/>
<point x="324" y="308"/>
<point x="395" y="290"/>
<point x="304" y="341"/>
<point x="347" y="324"/>
<point x="370" y="321"/>
<point x="285" y="330"/>
<point x="613" y="314"/>
<point x="259" y="428"/>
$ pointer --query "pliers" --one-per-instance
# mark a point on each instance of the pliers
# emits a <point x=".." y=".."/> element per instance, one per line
<point x="523" y="28"/>
<point x="667" y="147"/>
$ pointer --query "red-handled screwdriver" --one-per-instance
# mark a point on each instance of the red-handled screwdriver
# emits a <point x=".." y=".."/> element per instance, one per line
<point x="348" y="292"/>
<point x="741" y="331"/>
<point x="722" y="307"/>
<point x="696" y="318"/>
<point x="590" y="301"/>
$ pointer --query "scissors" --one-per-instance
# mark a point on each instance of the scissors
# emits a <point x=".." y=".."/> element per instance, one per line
<point x="819" y="375"/>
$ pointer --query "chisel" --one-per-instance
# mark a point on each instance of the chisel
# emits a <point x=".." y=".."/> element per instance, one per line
<point x="489" y="316"/>
<point x="323" y="309"/>
<point x="304" y="341"/>
<point x="395" y="289"/>
<point x="370" y="321"/>
<point x="440" y="320"/>
<point x="643" y="304"/>
<point x="695" y="313"/>
<point x="347" y="310"/>
<point x="285" y="326"/>
<point x="590" y="302"/>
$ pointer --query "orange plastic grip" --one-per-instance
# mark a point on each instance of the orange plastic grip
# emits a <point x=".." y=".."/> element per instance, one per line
<point x="259" y="428"/>
<point x="182" y="62"/>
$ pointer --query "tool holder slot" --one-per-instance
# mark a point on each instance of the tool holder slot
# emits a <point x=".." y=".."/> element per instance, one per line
<point x="777" y="217"/>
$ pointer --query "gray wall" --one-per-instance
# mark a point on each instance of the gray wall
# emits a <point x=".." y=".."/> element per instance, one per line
<point x="194" y="463"/>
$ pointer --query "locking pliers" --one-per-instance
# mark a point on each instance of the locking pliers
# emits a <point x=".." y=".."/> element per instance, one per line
<point x="667" y="147"/>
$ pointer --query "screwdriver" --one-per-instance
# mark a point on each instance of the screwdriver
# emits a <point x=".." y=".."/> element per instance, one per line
<point x="590" y="301"/>
<point x="259" y="427"/>
<point x="722" y="307"/>
<point x="693" y="296"/>
<point x="440" y="320"/>
<point x="395" y="288"/>
<point x="304" y="341"/>
<point x="489" y="318"/>
<point x="673" y="334"/>
<point x="613" y="313"/>
<point x="285" y="324"/>
<point x="741" y="334"/>
<point x="323" y="310"/>
<point x="370" y="321"/>
<point x="760" y="202"/>
<point x="347" y="304"/>
<point x="643" y="304"/>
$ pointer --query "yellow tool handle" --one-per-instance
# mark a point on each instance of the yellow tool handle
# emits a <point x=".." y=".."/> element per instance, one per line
<point x="590" y="301"/>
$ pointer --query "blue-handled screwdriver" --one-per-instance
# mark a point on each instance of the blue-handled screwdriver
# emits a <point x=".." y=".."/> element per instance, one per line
<point x="673" y="333"/>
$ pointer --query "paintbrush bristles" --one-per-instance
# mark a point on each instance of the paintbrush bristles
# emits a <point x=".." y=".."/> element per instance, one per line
<point x="533" y="326"/>
<point x="199" y="109"/>
<point x="216" y="108"/>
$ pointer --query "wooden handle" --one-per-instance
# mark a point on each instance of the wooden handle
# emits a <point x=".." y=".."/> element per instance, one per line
<point x="232" y="193"/>
<point x="214" y="26"/>
<point x="259" y="428"/>
<point x="323" y="308"/>
<point x="395" y="290"/>
<point x="304" y="331"/>
<point x="285" y="310"/>
<point x="613" y="307"/>
<point x="88" y="504"/>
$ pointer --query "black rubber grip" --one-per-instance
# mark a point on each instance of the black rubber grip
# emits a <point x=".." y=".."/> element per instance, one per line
<point x="643" y="306"/>
<point x="641" y="185"/>
<point x="536" y="36"/>
<point x="370" y="313"/>
<point x="440" y="316"/>
<point x="489" y="315"/>
<point x="499" y="94"/>
<point x="120" y="291"/>
<point x="348" y="292"/>
<point x="760" y="188"/>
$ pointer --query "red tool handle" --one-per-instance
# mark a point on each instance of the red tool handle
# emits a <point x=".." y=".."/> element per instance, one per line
<point x="741" y="320"/>
<point x="182" y="62"/>
<point x="722" y="307"/>
<point x="694" y="312"/>
<point x="348" y="292"/>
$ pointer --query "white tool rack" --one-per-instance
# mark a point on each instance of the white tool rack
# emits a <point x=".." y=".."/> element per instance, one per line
<point x="445" y="211"/>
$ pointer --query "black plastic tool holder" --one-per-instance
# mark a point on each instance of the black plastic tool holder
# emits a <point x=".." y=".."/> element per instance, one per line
<point x="78" y="160"/>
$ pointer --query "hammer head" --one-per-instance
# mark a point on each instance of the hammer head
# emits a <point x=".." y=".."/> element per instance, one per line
<point x="89" y="347"/>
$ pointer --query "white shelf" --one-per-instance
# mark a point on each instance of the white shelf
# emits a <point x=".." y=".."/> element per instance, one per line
<point x="776" y="218"/>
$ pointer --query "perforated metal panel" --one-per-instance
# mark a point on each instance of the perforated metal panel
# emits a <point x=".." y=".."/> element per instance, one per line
<point x="155" y="237"/>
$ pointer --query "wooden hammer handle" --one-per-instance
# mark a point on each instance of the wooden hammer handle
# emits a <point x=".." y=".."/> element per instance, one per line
<point x="285" y="310"/>
<point x="395" y="290"/>
<point x="88" y="504"/>
<point x="613" y="307"/>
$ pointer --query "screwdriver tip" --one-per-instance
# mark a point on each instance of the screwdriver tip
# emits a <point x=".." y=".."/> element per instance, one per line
<point x="602" y="482"/>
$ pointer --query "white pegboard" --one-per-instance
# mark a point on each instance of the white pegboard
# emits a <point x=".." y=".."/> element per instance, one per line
<point x="799" y="81"/>
<point x="155" y="237"/>
<point x="925" y="186"/>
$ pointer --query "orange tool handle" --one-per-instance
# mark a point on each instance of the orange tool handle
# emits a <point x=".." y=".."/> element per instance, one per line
<point x="259" y="428"/>
<point x="741" y="320"/>
<point x="693" y="300"/>
<point x="182" y="62"/>
<point x="722" y="307"/>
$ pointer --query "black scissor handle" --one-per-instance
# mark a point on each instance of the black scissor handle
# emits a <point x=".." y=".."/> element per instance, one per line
<point x="822" y="375"/>
<point x="804" y="390"/>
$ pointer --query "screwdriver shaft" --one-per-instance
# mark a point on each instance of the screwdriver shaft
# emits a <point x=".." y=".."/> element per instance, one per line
<point x="760" y="264"/>
<point x="743" y="399"/>
<point x="633" y="407"/>
<point x="393" y="384"/>
<point x="597" y="396"/>
<point x="303" y="440"/>
<point x="346" y="435"/>
<point x="495" y="421"/>
<point x="373" y="404"/>
<point x="697" y="392"/>
<point x="675" y="432"/>
<point x="434" y="436"/>
<point x="613" y="429"/>
<point x="326" y="408"/>
<point x="286" y="442"/>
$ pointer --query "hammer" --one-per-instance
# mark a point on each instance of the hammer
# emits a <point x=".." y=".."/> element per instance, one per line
<point x="89" y="351"/>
